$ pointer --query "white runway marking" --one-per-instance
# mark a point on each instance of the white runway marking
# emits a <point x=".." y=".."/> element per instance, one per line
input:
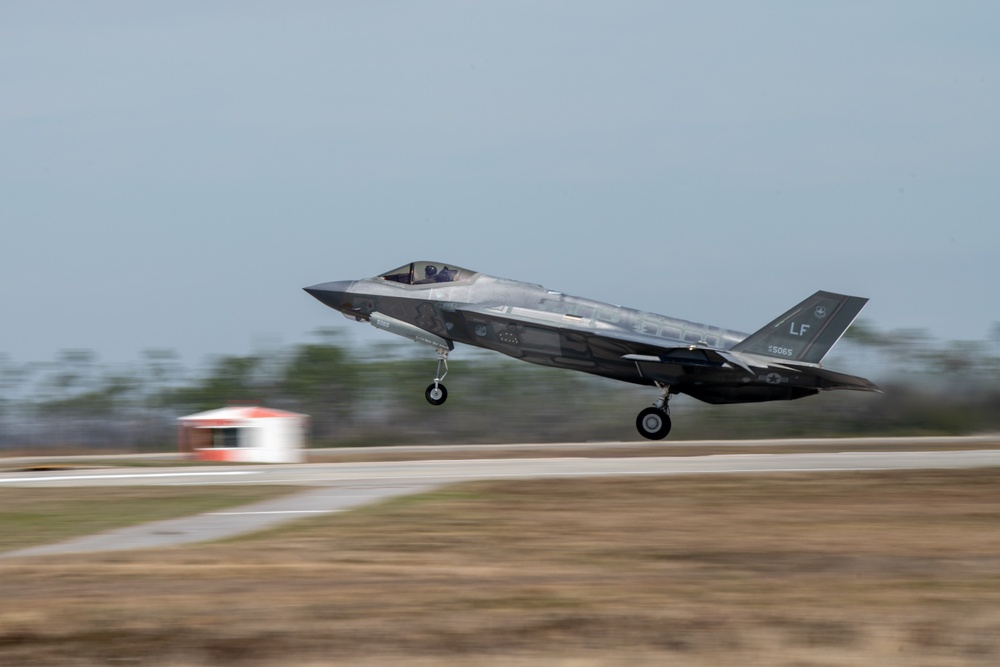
<point x="63" y="478"/>
<point x="274" y="512"/>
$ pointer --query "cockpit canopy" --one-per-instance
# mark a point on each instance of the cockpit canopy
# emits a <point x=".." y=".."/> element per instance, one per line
<point x="426" y="273"/>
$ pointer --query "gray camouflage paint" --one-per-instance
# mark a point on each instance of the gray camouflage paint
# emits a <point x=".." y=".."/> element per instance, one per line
<point x="541" y="326"/>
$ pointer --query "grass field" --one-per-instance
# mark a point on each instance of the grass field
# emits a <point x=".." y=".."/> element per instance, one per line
<point x="794" y="570"/>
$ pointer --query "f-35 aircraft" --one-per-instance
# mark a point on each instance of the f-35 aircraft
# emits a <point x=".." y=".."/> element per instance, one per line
<point x="441" y="304"/>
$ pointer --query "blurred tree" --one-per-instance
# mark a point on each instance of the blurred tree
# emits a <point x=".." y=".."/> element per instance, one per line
<point x="866" y="334"/>
<point x="378" y="398"/>
<point x="13" y="376"/>
<point x="161" y="369"/>
<point x="72" y="372"/>
<point x="322" y="381"/>
<point x="231" y="379"/>
<point x="994" y="338"/>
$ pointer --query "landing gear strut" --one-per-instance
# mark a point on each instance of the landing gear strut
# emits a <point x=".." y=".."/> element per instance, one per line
<point x="436" y="394"/>
<point x="654" y="422"/>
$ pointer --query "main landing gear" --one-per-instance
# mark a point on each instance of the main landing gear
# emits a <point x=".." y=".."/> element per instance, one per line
<point x="436" y="394"/>
<point x="654" y="423"/>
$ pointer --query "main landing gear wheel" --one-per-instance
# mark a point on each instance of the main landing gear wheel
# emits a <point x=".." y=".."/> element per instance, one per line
<point x="436" y="394"/>
<point x="653" y="423"/>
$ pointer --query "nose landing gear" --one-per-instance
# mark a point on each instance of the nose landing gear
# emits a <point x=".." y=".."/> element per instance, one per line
<point x="436" y="394"/>
<point x="653" y="423"/>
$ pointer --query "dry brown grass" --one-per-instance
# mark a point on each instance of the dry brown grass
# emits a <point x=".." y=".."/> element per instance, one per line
<point x="791" y="570"/>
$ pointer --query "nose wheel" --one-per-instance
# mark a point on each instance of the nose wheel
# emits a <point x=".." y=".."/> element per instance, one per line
<point x="436" y="394"/>
<point x="654" y="423"/>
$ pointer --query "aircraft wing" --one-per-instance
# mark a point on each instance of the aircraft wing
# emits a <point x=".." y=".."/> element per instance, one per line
<point x="581" y="346"/>
<point x="562" y="332"/>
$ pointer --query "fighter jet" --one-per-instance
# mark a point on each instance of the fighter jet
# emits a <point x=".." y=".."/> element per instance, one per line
<point x="440" y="304"/>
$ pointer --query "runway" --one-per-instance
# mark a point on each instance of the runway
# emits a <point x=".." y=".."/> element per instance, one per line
<point x="342" y="486"/>
<point x="434" y="472"/>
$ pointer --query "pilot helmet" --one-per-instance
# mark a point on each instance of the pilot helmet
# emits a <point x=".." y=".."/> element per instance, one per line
<point x="430" y="271"/>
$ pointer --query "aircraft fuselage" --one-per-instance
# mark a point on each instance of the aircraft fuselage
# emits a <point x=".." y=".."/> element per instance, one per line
<point x="529" y="322"/>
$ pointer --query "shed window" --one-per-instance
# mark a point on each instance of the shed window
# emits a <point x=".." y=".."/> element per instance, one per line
<point x="227" y="438"/>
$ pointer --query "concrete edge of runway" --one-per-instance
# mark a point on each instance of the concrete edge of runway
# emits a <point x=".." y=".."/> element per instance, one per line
<point x="666" y="445"/>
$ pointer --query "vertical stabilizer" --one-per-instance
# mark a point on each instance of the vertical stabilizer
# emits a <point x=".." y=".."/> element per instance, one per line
<point x="806" y="332"/>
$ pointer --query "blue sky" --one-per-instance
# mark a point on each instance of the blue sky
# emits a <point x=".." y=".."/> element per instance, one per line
<point x="171" y="174"/>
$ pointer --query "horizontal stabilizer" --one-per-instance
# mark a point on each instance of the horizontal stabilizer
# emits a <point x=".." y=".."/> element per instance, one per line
<point x="806" y="332"/>
<point x="835" y="380"/>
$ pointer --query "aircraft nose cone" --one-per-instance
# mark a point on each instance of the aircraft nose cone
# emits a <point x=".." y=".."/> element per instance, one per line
<point x="333" y="294"/>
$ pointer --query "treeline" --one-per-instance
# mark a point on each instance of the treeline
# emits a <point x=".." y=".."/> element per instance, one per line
<point x="375" y="396"/>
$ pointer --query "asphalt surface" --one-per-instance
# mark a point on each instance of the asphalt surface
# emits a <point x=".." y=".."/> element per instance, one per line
<point x="337" y="487"/>
<point x="431" y="451"/>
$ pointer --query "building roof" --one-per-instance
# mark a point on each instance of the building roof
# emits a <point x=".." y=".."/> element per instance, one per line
<point x="241" y="413"/>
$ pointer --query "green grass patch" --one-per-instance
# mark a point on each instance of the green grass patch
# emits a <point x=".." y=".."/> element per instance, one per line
<point x="45" y="515"/>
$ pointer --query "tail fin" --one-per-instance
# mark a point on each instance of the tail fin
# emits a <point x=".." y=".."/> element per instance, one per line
<point x="806" y="332"/>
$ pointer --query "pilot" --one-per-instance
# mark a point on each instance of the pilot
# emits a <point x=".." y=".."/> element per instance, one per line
<point x="430" y="275"/>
